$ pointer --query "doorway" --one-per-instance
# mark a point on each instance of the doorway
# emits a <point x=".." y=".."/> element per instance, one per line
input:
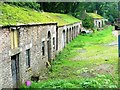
<point x="99" y="24"/>
<point x="15" y="71"/>
<point x="49" y="46"/>
<point x="67" y="36"/>
<point x="70" y="34"/>
<point x="57" y="39"/>
<point x="63" y="39"/>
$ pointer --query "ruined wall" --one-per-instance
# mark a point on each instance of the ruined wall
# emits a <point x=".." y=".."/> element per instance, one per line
<point x="5" y="61"/>
<point x="97" y="21"/>
<point x="30" y="37"/>
<point x="73" y="31"/>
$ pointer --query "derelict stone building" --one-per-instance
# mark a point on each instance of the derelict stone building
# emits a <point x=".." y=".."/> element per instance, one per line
<point x="26" y="50"/>
<point x="97" y="19"/>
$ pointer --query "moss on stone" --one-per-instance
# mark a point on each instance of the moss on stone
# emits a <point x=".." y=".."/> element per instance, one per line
<point x="12" y="15"/>
<point x="94" y="15"/>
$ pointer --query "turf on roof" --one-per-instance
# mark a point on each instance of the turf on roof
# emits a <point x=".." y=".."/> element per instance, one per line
<point x="11" y="15"/>
<point x="94" y="15"/>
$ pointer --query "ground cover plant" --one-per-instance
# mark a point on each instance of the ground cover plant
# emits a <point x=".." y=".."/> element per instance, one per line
<point x="89" y="61"/>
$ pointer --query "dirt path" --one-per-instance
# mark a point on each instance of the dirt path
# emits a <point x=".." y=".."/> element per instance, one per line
<point x="83" y="52"/>
<point x="105" y="52"/>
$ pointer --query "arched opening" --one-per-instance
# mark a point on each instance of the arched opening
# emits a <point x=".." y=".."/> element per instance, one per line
<point x="63" y="39"/>
<point x="56" y="38"/>
<point x="70" y="34"/>
<point x="102" y="23"/>
<point x="80" y="28"/>
<point x="49" y="46"/>
<point x="99" y="24"/>
<point x="67" y="36"/>
<point x="74" y="32"/>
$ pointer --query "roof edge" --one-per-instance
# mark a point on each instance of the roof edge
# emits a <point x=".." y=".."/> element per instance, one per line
<point x="29" y="24"/>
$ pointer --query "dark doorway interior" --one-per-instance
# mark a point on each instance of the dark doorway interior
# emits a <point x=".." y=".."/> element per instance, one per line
<point x="70" y="34"/>
<point x="63" y="39"/>
<point x="57" y="39"/>
<point x="99" y="24"/>
<point x="67" y="36"/>
<point x="49" y="46"/>
<point x="15" y="70"/>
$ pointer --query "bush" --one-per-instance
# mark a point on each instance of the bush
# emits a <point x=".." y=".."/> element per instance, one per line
<point x="87" y="22"/>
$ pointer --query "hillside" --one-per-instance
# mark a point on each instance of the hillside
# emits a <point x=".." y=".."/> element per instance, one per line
<point x="12" y="15"/>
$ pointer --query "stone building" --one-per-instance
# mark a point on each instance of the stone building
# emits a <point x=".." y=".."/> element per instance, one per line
<point x="26" y="50"/>
<point x="67" y="33"/>
<point x="98" y="20"/>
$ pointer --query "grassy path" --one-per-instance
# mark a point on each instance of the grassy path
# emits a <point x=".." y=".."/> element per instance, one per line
<point x="88" y="61"/>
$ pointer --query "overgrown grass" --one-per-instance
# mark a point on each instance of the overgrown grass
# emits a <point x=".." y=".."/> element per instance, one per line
<point x="12" y="15"/>
<point x="87" y="62"/>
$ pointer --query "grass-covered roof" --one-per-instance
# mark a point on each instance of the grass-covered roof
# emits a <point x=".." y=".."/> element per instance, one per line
<point x="94" y="15"/>
<point x="12" y="15"/>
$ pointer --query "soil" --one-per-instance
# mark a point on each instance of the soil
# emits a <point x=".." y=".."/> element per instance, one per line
<point x="104" y="68"/>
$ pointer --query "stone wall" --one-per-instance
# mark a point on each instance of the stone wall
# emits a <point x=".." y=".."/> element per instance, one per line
<point x="31" y="37"/>
<point x="73" y="30"/>
<point x="98" y="23"/>
<point x="5" y="61"/>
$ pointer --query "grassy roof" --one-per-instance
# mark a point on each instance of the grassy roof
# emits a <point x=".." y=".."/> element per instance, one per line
<point x="94" y="15"/>
<point x="11" y="15"/>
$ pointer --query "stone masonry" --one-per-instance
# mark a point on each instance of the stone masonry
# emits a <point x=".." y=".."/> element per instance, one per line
<point x="47" y="38"/>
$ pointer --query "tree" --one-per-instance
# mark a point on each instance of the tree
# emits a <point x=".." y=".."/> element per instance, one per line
<point x="108" y="10"/>
<point x="87" y="22"/>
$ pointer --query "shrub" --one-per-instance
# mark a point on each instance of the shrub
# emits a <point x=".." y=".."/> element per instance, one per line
<point x="87" y="22"/>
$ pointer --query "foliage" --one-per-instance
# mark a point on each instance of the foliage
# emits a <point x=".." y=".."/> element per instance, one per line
<point x="88" y="22"/>
<point x="77" y="8"/>
<point x="32" y="5"/>
<point x="12" y="15"/>
<point x="94" y="15"/>
<point x="108" y="10"/>
<point x="101" y="81"/>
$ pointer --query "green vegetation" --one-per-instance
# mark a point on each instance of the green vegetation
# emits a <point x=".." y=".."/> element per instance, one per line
<point x="94" y="15"/>
<point x="88" y="22"/>
<point x="12" y="15"/>
<point x="108" y="10"/>
<point x="76" y="9"/>
<point x="32" y="5"/>
<point x="87" y="62"/>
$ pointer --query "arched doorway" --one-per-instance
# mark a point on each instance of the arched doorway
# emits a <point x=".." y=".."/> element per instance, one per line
<point x="70" y="34"/>
<point x="74" y="32"/>
<point x="49" y="46"/>
<point x="80" y="29"/>
<point x="67" y="36"/>
<point x="56" y="38"/>
<point x="63" y="39"/>
<point x="99" y="24"/>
